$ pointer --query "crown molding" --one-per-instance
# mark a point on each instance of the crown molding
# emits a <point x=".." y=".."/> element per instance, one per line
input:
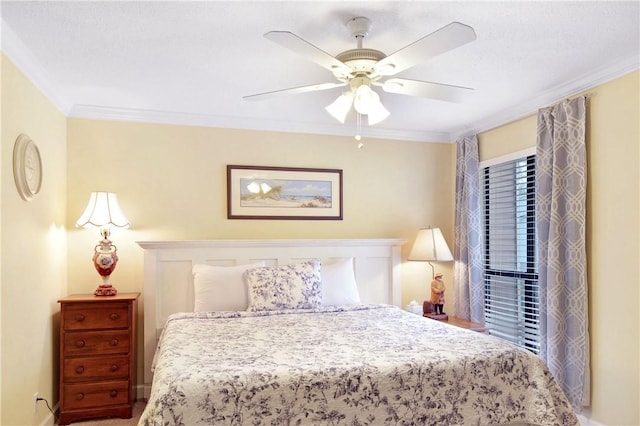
<point x="22" y="58"/>
<point x="205" y="120"/>
<point x="566" y="90"/>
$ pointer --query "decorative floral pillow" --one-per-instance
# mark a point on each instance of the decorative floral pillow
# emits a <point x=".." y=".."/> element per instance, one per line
<point x="295" y="286"/>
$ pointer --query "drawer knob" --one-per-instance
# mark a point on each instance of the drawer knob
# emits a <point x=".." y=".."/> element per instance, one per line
<point x="113" y="393"/>
<point x="80" y="369"/>
<point x="114" y="367"/>
<point x="114" y="316"/>
<point x="80" y="317"/>
<point x="114" y="342"/>
<point x="80" y="343"/>
<point x="79" y="396"/>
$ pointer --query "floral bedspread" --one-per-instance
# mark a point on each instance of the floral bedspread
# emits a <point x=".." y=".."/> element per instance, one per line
<point x="364" y="365"/>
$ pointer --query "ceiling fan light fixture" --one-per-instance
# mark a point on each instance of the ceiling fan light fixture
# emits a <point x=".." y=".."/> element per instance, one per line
<point x="365" y="99"/>
<point x="339" y="108"/>
<point x="361" y="68"/>
<point x="377" y="114"/>
<point x="367" y="102"/>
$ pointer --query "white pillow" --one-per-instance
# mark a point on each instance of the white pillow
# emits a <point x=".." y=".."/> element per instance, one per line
<point x="294" y="286"/>
<point x="339" y="284"/>
<point x="220" y="288"/>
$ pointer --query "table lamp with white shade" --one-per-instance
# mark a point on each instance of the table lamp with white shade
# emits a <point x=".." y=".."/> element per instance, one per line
<point x="430" y="246"/>
<point x="103" y="211"/>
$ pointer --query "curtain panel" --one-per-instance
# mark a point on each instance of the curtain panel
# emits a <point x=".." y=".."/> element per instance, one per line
<point x="561" y="178"/>
<point x="468" y="275"/>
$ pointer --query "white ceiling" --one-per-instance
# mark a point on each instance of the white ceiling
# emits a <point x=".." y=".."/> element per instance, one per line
<point x="192" y="62"/>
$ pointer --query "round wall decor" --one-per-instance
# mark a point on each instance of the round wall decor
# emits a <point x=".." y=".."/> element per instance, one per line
<point x="27" y="167"/>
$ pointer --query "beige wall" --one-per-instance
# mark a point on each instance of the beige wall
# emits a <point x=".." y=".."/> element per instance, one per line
<point x="33" y="244"/>
<point x="509" y="138"/>
<point x="613" y="144"/>
<point x="613" y="194"/>
<point x="2" y="60"/>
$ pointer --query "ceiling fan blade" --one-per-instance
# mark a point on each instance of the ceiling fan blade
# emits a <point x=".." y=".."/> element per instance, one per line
<point x="446" y="38"/>
<point x="426" y="89"/>
<point x="292" y="91"/>
<point x="309" y="51"/>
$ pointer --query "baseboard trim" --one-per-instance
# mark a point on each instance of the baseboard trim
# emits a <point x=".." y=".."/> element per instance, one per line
<point x="587" y="421"/>
<point x="142" y="392"/>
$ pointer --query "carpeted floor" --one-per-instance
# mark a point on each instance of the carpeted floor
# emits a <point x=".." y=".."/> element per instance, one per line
<point x="133" y="421"/>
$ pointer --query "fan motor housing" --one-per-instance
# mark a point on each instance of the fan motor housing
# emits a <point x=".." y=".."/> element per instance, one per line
<point x="361" y="60"/>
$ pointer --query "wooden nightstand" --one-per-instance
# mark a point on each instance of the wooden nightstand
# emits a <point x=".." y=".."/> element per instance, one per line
<point x="427" y="309"/>
<point x="97" y="356"/>
<point x="462" y="323"/>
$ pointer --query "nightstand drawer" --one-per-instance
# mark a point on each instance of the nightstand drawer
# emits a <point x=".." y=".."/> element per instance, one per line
<point x="96" y="342"/>
<point x="96" y="368"/>
<point x="96" y="316"/>
<point x="100" y="394"/>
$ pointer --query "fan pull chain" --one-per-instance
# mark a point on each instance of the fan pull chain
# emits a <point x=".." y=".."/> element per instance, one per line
<point x="358" y="128"/>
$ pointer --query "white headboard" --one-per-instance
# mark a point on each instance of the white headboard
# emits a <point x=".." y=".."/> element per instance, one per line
<point x="168" y="280"/>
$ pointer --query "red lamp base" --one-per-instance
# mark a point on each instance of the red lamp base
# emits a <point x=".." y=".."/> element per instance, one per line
<point x="105" y="290"/>
<point x="105" y="260"/>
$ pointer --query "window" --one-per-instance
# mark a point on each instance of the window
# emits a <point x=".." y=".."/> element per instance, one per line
<point x="510" y="255"/>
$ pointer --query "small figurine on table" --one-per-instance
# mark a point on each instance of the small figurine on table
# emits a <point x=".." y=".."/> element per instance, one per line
<point x="437" y="294"/>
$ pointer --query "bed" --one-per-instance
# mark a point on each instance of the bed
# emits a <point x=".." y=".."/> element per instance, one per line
<point x="338" y="351"/>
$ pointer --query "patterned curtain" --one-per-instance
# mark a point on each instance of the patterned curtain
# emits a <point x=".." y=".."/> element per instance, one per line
<point x="467" y="253"/>
<point x="561" y="178"/>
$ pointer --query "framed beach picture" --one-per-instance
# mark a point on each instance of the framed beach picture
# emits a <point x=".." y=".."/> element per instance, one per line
<point x="255" y="192"/>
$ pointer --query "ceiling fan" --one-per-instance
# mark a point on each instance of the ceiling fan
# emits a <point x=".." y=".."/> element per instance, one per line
<point x="361" y="68"/>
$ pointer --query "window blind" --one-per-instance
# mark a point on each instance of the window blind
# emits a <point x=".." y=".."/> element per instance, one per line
<point x="510" y="241"/>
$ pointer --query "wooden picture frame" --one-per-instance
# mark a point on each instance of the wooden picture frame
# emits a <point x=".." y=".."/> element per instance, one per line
<point x="255" y="192"/>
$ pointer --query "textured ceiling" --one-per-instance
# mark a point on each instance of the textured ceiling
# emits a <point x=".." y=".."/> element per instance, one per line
<point x="192" y="62"/>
